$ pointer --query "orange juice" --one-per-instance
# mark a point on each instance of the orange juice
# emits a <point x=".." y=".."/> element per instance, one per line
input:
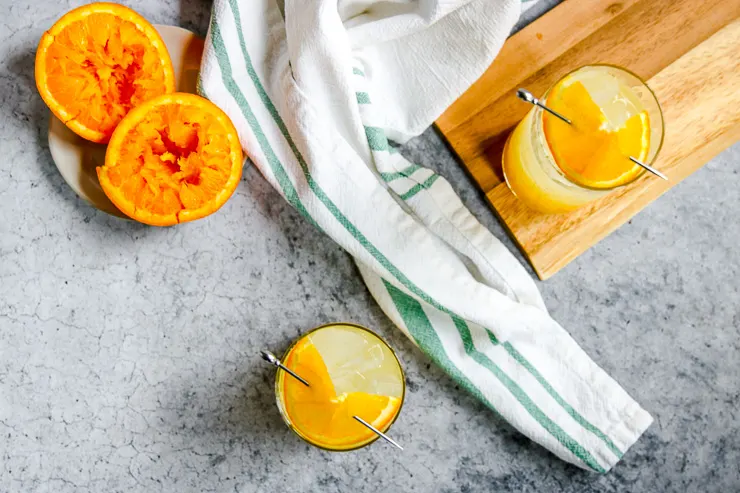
<point x="351" y="372"/>
<point x="556" y="167"/>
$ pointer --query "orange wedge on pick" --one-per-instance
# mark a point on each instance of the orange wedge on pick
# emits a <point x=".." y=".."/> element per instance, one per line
<point x="324" y="417"/>
<point x="174" y="158"/>
<point x="589" y="152"/>
<point x="98" y="62"/>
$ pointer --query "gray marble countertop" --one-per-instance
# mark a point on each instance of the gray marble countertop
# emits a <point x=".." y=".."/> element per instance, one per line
<point x="128" y="353"/>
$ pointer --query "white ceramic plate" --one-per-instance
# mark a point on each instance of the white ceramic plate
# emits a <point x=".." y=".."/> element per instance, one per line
<point x="77" y="158"/>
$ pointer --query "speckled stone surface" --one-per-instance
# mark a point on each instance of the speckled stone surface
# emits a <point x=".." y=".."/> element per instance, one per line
<point x="128" y="353"/>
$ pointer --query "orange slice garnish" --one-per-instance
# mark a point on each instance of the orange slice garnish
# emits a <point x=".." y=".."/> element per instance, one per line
<point x="589" y="152"/>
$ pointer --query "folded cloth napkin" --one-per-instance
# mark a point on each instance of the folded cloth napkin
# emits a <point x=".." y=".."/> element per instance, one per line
<point x="319" y="90"/>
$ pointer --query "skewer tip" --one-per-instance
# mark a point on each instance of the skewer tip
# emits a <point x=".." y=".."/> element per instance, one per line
<point x="525" y="95"/>
<point x="268" y="356"/>
<point x="649" y="168"/>
<point x="378" y="432"/>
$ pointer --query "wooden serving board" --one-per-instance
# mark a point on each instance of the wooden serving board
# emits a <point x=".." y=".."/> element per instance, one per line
<point x="687" y="50"/>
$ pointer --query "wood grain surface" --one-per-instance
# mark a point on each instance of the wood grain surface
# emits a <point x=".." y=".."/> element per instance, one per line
<point x="687" y="50"/>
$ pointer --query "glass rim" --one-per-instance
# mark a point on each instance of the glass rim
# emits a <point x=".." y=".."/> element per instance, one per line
<point x="278" y="380"/>
<point x="538" y="120"/>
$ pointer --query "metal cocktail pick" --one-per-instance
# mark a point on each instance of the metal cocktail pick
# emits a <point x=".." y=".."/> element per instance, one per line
<point x="273" y="360"/>
<point x="378" y="432"/>
<point x="528" y="97"/>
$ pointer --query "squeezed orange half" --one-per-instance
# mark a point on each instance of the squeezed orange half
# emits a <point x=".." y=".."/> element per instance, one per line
<point x="97" y="63"/>
<point x="351" y="372"/>
<point x="173" y="159"/>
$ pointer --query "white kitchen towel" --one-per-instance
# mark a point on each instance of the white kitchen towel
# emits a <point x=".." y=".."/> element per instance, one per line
<point x="320" y="90"/>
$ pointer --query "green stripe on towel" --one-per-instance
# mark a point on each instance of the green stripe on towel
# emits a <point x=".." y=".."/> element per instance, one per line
<point x="376" y="138"/>
<point x="226" y="75"/>
<point x="426" y="337"/>
<point x="419" y="187"/>
<point x="362" y="98"/>
<point x="572" y="412"/>
<point x="556" y="431"/>
<point x="404" y="173"/>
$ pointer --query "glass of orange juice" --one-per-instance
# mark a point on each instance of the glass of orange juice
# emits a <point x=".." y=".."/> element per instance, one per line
<point x="351" y="372"/>
<point x="554" y="167"/>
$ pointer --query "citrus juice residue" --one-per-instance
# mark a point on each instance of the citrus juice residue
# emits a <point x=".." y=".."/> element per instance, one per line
<point x="351" y="373"/>
<point x="556" y="167"/>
